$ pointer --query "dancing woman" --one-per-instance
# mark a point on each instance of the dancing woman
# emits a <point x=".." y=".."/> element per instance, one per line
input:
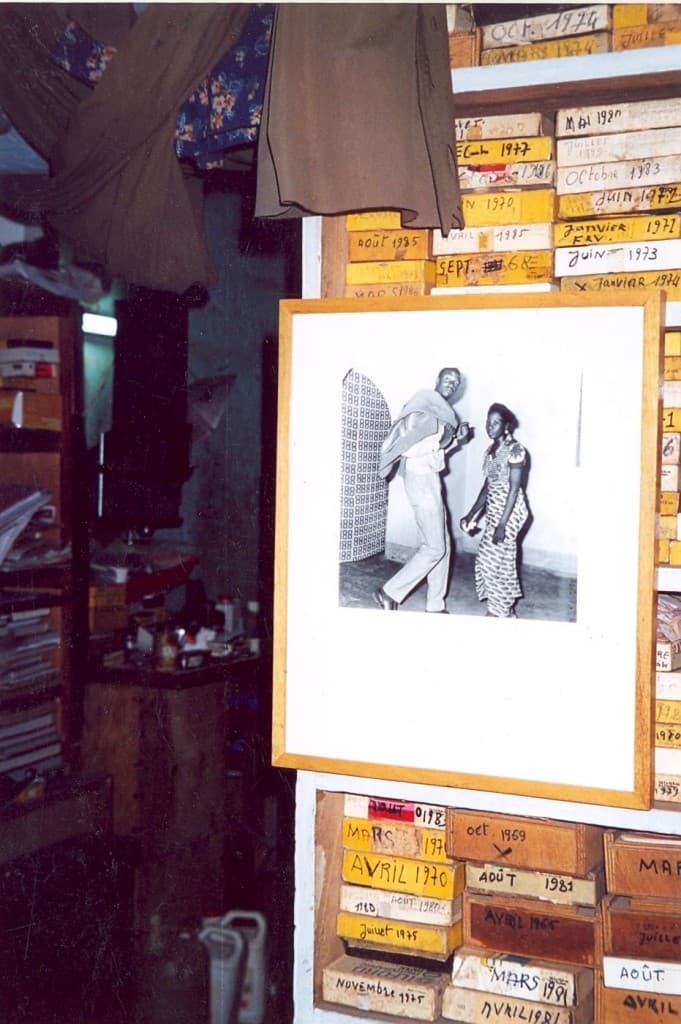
<point x="502" y="500"/>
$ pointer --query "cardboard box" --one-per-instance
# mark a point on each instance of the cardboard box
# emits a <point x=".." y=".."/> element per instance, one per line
<point x="502" y="126"/>
<point x="517" y="267"/>
<point x="492" y="209"/>
<point x="605" y="118"/>
<point x="400" y="874"/>
<point x="554" y="25"/>
<point x="526" y="927"/>
<point x="671" y="443"/>
<point x="390" y="290"/>
<point x="672" y="343"/>
<point x="670" y="479"/>
<point x="668" y="735"/>
<point x="630" y="145"/>
<point x="388" y="244"/>
<point x="373" y="933"/>
<point x="376" y="808"/>
<point x="639" y="975"/>
<point x="667" y="789"/>
<point x="393" y="838"/>
<point x="669" y="502"/>
<point x="373" y="220"/>
<point x="642" y="927"/>
<point x="540" y="885"/>
<point x="572" y="46"/>
<point x="643" y="864"/>
<point x="464" y="49"/>
<point x="667" y="655"/>
<point x="373" y="986"/>
<point x="668" y="712"/>
<point x="381" y="272"/>
<point x="535" y="174"/>
<point x="615" y="201"/>
<point x="527" y="149"/>
<point x="616" y="175"/>
<point x="511" y="237"/>
<point x="605" y="230"/>
<point x="465" y="1006"/>
<point x="616" y="1005"/>
<point x="539" y="981"/>
<point x="557" y="846"/>
<point x="638" y="37"/>
<point x="399" y="906"/>
<point x="618" y="258"/>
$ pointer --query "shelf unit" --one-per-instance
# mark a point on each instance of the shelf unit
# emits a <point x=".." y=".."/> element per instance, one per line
<point x="538" y="85"/>
<point x="47" y="459"/>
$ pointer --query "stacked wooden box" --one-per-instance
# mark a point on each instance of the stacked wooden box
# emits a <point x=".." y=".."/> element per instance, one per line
<point x="29" y="384"/>
<point x="386" y="259"/>
<point x="532" y="934"/>
<point x="506" y="174"/>
<point x="636" y="26"/>
<point x="567" y="33"/>
<point x="400" y="895"/>
<point x="464" y="37"/>
<point x="668" y="525"/>
<point x="618" y="181"/>
<point x="641" y="929"/>
<point x="668" y="736"/>
<point x="668" y="699"/>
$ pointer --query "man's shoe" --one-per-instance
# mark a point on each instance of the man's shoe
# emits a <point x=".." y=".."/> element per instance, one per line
<point x="383" y="601"/>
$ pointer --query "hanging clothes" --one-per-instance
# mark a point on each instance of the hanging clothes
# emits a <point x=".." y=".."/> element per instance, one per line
<point x="359" y="114"/>
<point x="118" y="192"/>
<point x="222" y="113"/>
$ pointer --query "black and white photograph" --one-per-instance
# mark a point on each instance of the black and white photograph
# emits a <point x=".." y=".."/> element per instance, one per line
<point x="465" y="541"/>
<point x="437" y="499"/>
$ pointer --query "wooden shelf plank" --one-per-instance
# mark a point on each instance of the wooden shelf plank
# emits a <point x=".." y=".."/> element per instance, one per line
<point x="567" y="81"/>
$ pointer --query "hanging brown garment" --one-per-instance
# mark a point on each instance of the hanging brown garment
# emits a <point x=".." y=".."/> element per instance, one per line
<point x="118" y="192"/>
<point x="359" y="114"/>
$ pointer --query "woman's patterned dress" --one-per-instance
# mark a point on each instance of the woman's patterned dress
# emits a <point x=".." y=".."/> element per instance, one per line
<point x="496" y="572"/>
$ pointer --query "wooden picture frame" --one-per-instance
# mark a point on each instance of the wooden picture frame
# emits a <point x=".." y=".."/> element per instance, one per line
<point x="555" y="704"/>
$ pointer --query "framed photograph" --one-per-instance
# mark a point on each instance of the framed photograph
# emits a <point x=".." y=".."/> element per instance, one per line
<point x="465" y="543"/>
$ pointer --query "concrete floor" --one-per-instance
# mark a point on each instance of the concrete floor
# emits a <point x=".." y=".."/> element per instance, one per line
<point x="546" y="595"/>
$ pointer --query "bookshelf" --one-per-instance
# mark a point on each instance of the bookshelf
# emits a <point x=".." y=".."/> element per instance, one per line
<point x="544" y="86"/>
<point x="39" y="595"/>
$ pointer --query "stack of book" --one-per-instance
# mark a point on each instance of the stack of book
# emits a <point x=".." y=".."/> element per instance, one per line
<point x="27" y="646"/>
<point x="29" y="385"/>
<point x="30" y="739"/>
<point x="618" y="181"/>
<point x="636" y="26"/>
<point x="386" y="259"/>
<point x="29" y="715"/>
<point x="563" y="33"/>
<point x="400" y="896"/>
<point x="506" y="175"/>
<point x="532" y="935"/>
<point x="642" y="929"/>
<point x="668" y="699"/>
